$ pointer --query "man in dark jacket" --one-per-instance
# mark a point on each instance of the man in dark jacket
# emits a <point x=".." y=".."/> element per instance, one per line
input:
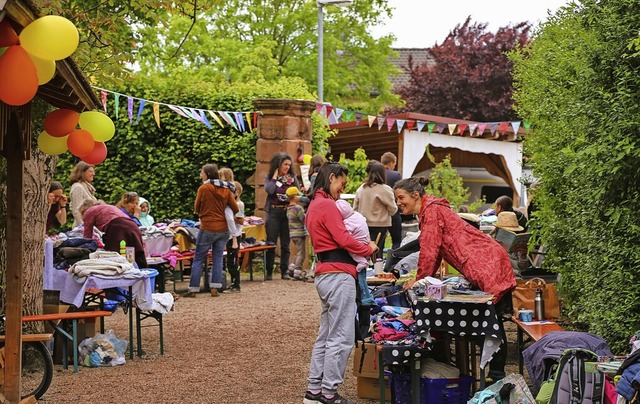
<point x="389" y="160"/>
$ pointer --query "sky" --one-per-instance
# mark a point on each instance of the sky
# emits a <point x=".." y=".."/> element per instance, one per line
<point x="422" y="23"/>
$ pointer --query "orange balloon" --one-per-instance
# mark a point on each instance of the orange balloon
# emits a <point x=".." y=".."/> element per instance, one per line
<point x="61" y="122"/>
<point x="80" y="143"/>
<point x="18" y="77"/>
<point x="97" y="155"/>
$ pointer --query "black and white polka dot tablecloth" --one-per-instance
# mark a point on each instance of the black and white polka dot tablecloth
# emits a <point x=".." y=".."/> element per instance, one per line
<point x="400" y="354"/>
<point x="460" y="318"/>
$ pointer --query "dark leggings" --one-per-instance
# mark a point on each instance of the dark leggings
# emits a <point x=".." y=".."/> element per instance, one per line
<point x="278" y="227"/>
<point x="232" y="264"/>
<point x="496" y="366"/>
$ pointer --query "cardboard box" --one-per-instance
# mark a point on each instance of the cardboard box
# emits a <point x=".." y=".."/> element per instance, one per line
<point x="368" y="387"/>
<point x="370" y="363"/>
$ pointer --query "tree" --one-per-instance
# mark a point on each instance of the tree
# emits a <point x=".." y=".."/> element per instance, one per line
<point x="238" y="40"/>
<point x="469" y="76"/>
<point x="577" y="84"/>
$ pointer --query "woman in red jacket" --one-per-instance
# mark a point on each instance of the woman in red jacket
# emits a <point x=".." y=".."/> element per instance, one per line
<point x="444" y="235"/>
<point x="335" y="280"/>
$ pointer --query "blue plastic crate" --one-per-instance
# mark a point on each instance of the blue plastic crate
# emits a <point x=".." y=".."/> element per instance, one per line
<point x="432" y="391"/>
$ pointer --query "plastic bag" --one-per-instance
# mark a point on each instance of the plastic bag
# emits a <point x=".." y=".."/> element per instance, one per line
<point x="103" y="350"/>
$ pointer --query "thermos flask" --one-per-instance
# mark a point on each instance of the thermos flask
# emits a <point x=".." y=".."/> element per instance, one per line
<point x="539" y="305"/>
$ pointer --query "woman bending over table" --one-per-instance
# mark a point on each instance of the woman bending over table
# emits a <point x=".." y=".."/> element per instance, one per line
<point x="115" y="225"/>
<point x="335" y="281"/>
<point x="444" y="235"/>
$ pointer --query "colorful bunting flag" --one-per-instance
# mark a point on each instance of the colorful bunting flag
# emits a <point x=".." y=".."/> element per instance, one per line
<point x="503" y="127"/>
<point x="130" y="108"/>
<point x="472" y="128"/>
<point x="515" y="125"/>
<point x="452" y="128"/>
<point x="481" y="128"/>
<point x="371" y="119"/>
<point x="215" y="117"/>
<point x="178" y="111"/>
<point x="410" y="124"/>
<point x="400" y="124"/>
<point x="338" y="112"/>
<point x="140" y="108"/>
<point x="390" y="122"/>
<point x="380" y="122"/>
<point x="203" y="118"/>
<point x="421" y="125"/>
<point x="358" y="118"/>
<point x="431" y="126"/>
<point x="461" y="128"/>
<point x="493" y="127"/>
<point x="116" y="102"/>
<point x="156" y="113"/>
<point x="440" y="127"/>
<point x="248" y="116"/>
<point x="103" y="98"/>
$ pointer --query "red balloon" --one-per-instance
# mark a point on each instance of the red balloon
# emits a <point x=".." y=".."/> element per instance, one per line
<point x="8" y="35"/>
<point x="97" y="155"/>
<point x="61" y="122"/>
<point x="18" y="77"/>
<point x="80" y="143"/>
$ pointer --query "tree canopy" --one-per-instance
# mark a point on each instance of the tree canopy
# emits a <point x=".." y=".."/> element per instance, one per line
<point x="577" y="83"/>
<point x="468" y="76"/>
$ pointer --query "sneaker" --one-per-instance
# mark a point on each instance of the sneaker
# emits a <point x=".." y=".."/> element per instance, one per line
<point x="234" y="290"/>
<point x="214" y="293"/>
<point x="189" y="294"/>
<point x="310" y="398"/>
<point x="336" y="399"/>
<point x="297" y="275"/>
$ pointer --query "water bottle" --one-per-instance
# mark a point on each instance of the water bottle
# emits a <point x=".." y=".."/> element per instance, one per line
<point x="378" y="267"/>
<point x="123" y="248"/>
<point x="539" y="305"/>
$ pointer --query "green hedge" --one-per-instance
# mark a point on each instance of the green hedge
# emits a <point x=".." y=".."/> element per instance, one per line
<point x="163" y="164"/>
<point x="578" y="84"/>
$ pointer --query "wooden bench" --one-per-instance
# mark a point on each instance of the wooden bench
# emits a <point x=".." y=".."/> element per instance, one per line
<point x="534" y="332"/>
<point x="32" y="337"/>
<point x="245" y="254"/>
<point x="72" y="317"/>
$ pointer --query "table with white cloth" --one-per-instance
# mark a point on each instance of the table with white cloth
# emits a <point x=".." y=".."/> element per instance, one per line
<point x="74" y="290"/>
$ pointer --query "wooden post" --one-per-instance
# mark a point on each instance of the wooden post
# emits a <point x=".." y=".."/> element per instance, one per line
<point x="15" y="199"/>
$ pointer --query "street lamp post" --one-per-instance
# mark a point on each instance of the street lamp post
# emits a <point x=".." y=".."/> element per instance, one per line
<point x="321" y="4"/>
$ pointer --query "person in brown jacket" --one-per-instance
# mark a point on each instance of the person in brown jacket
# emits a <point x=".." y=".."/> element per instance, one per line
<point x="214" y="233"/>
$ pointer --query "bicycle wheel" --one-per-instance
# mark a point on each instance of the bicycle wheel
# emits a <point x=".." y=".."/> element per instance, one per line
<point x="37" y="369"/>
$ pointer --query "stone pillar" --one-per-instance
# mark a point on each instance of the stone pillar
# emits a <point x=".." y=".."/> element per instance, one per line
<point x="283" y="126"/>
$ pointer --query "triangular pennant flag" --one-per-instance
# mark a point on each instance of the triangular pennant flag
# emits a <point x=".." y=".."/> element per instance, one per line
<point x="331" y="119"/>
<point x="177" y="111"/>
<point x="503" y="127"/>
<point x="410" y="124"/>
<point x="323" y="111"/>
<point x="156" y="113"/>
<point x="371" y="119"/>
<point x="140" y="108"/>
<point x="527" y="125"/>
<point x="431" y="126"/>
<point x="493" y="127"/>
<point x="203" y="119"/>
<point x="481" y="128"/>
<point x="421" y="125"/>
<point x="248" y="116"/>
<point x="197" y="115"/>
<point x="215" y="118"/>
<point x="347" y="116"/>
<point x="358" y="118"/>
<point x="400" y="124"/>
<point x="130" y="108"/>
<point x="103" y="98"/>
<point x="229" y="119"/>
<point x="116" y="102"/>
<point x="318" y="107"/>
<point x="338" y="112"/>
<point x="441" y="127"/>
<point x="461" y="128"/>
<point x="239" y="121"/>
<point x="193" y="114"/>
<point x="329" y="108"/>
<point x="185" y="112"/>
<point x="472" y="128"/>
<point x="390" y="122"/>
<point x="380" y="122"/>
<point x="515" y="125"/>
<point x="452" y="128"/>
<point x="255" y="120"/>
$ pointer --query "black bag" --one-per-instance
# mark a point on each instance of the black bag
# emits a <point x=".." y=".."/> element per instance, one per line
<point x="394" y="256"/>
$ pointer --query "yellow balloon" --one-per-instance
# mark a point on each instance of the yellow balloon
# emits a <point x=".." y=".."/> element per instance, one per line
<point x="306" y="159"/>
<point x="52" y="145"/>
<point x="45" y="69"/>
<point x="50" y="38"/>
<point x="98" y="124"/>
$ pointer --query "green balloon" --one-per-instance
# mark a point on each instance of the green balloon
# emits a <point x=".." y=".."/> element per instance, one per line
<point x="98" y="124"/>
<point x="52" y="145"/>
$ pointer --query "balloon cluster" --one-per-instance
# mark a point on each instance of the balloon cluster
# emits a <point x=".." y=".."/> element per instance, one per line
<point x="87" y="143"/>
<point x="28" y="60"/>
<point x="304" y="159"/>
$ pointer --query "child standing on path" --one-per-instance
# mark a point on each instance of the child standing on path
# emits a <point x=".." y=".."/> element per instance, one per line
<point x="232" y="249"/>
<point x="297" y="231"/>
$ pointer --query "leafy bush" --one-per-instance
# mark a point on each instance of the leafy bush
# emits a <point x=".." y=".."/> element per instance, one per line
<point x="163" y="164"/>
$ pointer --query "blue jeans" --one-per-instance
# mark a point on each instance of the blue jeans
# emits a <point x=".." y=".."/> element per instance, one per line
<point x="204" y="242"/>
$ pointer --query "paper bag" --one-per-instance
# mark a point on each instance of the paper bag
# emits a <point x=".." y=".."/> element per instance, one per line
<point x="525" y="293"/>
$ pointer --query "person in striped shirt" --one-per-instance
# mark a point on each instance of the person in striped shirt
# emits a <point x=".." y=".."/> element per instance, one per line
<point x="297" y="231"/>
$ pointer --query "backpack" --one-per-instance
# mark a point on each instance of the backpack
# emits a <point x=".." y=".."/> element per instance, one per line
<point x="574" y="380"/>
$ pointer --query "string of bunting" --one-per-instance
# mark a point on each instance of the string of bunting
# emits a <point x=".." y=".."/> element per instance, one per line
<point x="335" y="115"/>
<point x="242" y="121"/>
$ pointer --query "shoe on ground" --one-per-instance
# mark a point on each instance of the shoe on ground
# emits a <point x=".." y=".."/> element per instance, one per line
<point x="214" y="293"/>
<point x="189" y="294"/>
<point x="284" y="276"/>
<point x="297" y="275"/>
<point x="310" y="398"/>
<point x="268" y="277"/>
<point x="336" y="399"/>
<point x="234" y="290"/>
